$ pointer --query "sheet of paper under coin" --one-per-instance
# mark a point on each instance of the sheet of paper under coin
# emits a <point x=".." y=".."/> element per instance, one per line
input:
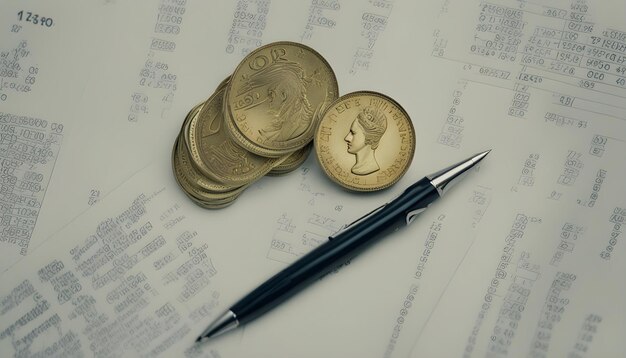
<point x="365" y="141"/>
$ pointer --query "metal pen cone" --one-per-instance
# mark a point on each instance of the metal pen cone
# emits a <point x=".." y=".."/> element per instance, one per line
<point x="223" y="324"/>
<point x="446" y="178"/>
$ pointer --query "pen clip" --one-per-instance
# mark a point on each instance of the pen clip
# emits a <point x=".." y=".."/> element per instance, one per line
<point x="344" y="227"/>
<point x="411" y="215"/>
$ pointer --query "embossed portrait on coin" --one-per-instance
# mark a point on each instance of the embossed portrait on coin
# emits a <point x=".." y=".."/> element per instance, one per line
<point x="363" y="139"/>
<point x="286" y="100"/>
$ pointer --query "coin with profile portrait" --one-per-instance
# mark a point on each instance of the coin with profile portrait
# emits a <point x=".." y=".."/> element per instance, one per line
<point x="365" y="141"/>
<point x="276" y="96"/>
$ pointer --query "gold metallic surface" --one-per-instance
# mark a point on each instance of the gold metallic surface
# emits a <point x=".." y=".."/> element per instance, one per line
<point x="216" y="155"/>
<point x="276" y="96"/>
<point x="211" y="205"/>
<point x="200" y="199"/>
<point x="365" y="141"/>
<point x="184" y="132"/>
<point x="259" y="121"/>
<point x="292" y="162"/>
<point x="195" y="184"/>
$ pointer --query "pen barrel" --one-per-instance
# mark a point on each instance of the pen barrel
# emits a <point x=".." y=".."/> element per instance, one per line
<point x="331" y="254"/>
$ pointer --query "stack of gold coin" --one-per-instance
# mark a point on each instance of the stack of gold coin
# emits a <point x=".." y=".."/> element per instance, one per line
<point x="259" y="121"/>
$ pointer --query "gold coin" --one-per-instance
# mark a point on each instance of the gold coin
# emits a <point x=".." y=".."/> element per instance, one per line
<point x="276" y="96"/>
<point x="293" y="161"/>
<point x="197" y="183"/>
<point x="193" y="113"/>
<point x="216" y="155"/>
<point x="201" y="198"/>
<point x="211" y="205"/>
<point x="365" y="141"/>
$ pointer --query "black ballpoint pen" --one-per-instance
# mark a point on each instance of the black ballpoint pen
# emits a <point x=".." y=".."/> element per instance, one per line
<point x="341" y="246"/>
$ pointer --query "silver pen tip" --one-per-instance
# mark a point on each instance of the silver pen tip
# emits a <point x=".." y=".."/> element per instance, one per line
<point x="222" y="324"/>
<point x="446" y="178"/>
<point x="478" y="157"/>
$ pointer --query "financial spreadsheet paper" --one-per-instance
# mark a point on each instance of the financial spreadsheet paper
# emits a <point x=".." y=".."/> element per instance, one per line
<point x="102" y="254"/>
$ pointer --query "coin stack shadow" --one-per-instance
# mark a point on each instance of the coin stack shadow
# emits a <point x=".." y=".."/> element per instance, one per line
<point x="277" y="94"/>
